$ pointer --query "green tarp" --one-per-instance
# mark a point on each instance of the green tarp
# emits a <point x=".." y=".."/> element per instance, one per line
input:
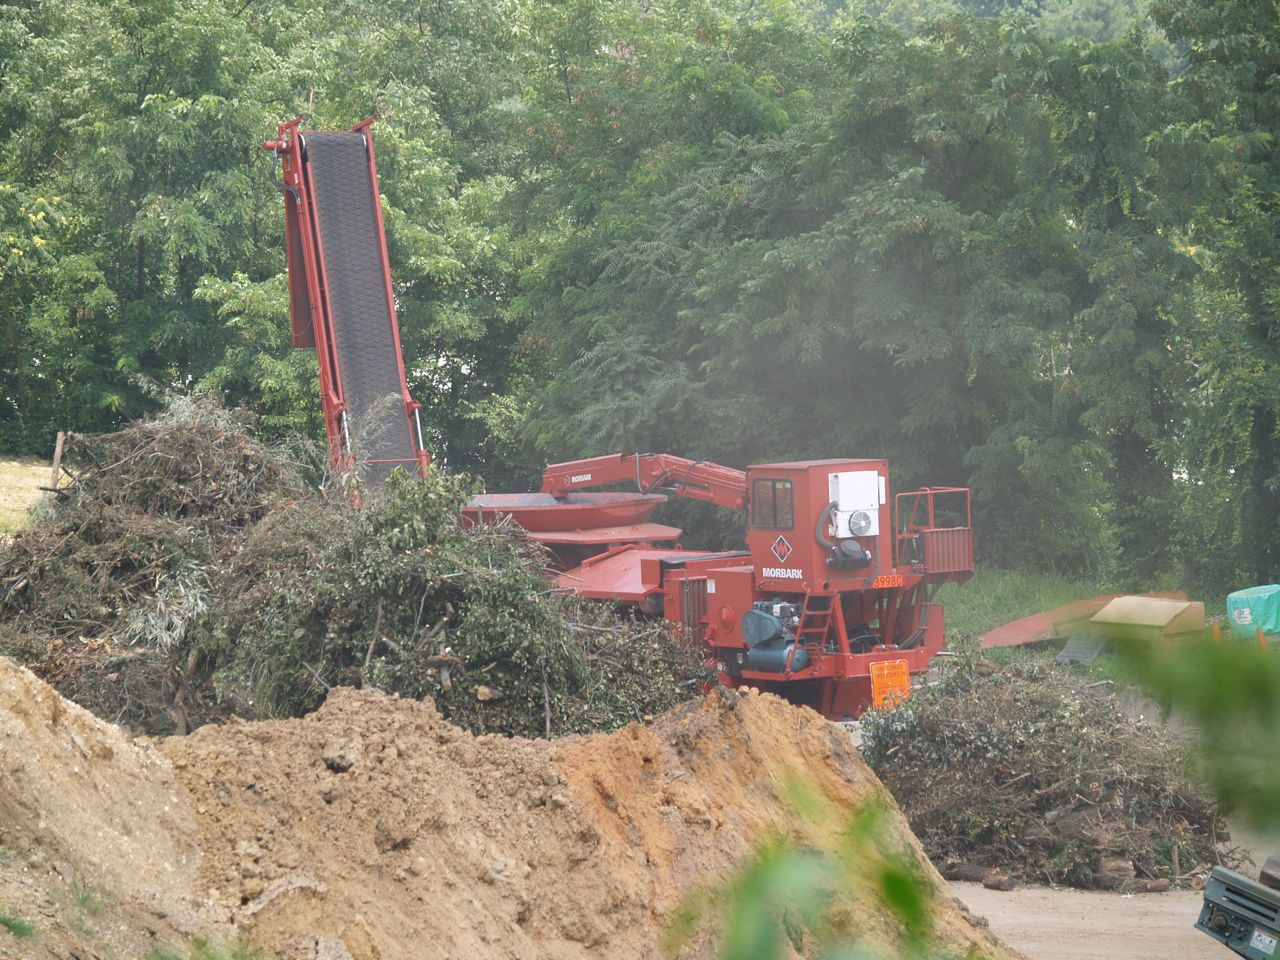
<point x="1247" y="610"/>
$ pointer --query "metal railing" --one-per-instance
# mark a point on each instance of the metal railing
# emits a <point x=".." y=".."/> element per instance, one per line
<point x="934" y="529"/>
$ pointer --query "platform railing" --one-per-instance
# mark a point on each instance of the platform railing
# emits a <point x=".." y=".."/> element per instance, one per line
<point x="934" y="529"/>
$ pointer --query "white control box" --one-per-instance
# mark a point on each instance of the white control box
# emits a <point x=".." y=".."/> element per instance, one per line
<point x="858" y="495"/>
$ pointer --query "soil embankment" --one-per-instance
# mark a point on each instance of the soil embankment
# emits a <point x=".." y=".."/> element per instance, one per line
<point x="373" y="828"/>
<point x="97" y="839"/>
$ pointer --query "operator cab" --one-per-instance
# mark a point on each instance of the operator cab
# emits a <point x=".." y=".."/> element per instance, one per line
<point x="825" y="524"/>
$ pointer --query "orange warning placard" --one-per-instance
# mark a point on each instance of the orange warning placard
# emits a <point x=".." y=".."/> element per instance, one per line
<point x="890" y="682"/>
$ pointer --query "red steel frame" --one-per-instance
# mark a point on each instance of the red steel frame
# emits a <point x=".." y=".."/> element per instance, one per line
<point x="709" y="593"/>
<point x="311" y="320"/>
<point x="941" y="548"/>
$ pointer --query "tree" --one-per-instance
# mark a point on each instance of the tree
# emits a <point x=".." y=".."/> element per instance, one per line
<point x="1219" y="169"/>
<point x="140" y="119"/>
<point x="161" y="257"/>
<point x="949" y="264"/>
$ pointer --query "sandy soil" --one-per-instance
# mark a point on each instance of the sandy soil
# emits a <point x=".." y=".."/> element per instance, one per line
<point x="374" y="822"/>
<point x="372" y="829"/>
<point x="97" y="847"/>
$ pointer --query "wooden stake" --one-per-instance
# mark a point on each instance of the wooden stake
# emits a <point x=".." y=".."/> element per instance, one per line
<point x="546" y="702"/>
<point x="373" y="642"/>
<point x="57" y="459"/>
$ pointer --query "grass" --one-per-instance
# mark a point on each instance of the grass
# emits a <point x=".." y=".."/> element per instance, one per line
<point x="19" y="490"/>
<point x="18" y="927"/>
<point x="994" y="597"/>
<point x="78" y="925"/>
<point x="203" y="950"/>
<point x="88" y="897"/>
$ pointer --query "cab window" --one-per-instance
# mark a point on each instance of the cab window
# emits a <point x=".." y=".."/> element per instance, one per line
<point x="772" y="505"/>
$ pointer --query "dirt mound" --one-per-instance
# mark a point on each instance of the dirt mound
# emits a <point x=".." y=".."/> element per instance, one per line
<point x="376" y="822"/>
<point x="1032" y="773"/>
<point x="686" y="798"/>
<point x="97" y="839"/>
<point x="373" y="828"/>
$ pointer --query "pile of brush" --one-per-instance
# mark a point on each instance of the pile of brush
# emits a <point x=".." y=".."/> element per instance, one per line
<point x="1032" y="773"/>
<point x="186" y="572"/>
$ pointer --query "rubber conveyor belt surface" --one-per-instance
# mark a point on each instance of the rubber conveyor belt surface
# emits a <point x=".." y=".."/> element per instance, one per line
<point x="355" y="281"/>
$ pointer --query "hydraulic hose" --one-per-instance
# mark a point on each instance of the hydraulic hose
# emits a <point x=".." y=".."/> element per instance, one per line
<point x="823" y="519"/>
<point x="275" y="165"/>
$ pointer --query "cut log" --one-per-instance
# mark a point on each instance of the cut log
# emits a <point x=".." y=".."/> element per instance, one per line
<point x="965" y="871"/>
<point x="1113" y="872"/>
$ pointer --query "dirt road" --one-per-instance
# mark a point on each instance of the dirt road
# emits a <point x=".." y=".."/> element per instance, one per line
<point x="1064" y="924"/>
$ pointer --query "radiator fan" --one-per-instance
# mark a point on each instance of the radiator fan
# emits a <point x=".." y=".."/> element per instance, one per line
<point x="859" y="523"/>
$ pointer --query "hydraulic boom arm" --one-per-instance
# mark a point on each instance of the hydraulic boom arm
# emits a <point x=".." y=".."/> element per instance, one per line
<point x="652" y="473"/>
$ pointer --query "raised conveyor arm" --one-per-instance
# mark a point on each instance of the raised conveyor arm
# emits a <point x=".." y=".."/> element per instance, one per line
<point x="652" y="473"/>
<point x="341" y="298"/>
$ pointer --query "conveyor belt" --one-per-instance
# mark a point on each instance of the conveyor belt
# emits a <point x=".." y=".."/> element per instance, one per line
<point x="355" y="284"/>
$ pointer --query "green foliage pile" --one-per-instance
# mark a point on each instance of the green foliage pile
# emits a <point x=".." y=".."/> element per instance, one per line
<point x="108" y="589"/>
<point x="189" y="572"/>
<point x="148" y="514"/>
<point x="1030" y="773"/>
<point x="388" y="594"/>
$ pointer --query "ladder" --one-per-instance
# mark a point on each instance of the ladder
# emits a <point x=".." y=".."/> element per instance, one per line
<point x="815" y="620"/>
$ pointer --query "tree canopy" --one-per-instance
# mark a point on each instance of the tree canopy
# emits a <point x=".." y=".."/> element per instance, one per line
<point x="1027" y="247"/>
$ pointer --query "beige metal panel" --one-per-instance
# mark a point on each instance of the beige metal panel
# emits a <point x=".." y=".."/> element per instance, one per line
<point x="1148" y="616"/>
